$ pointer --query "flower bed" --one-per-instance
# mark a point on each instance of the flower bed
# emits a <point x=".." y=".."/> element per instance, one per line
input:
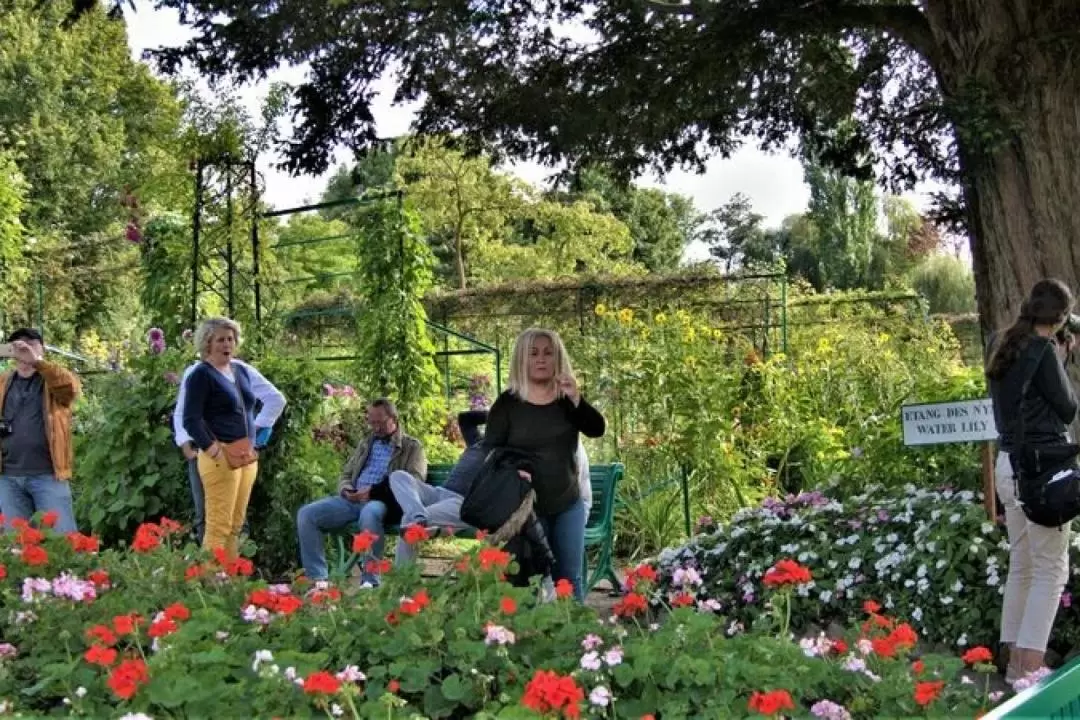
<point x="166" y="631"/>
<point x="927" y="555"/>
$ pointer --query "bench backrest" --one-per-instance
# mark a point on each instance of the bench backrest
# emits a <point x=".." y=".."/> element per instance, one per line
<point x="604" y="480"/>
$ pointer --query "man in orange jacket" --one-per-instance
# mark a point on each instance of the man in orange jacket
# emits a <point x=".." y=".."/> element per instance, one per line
<point x="35" y="434"/>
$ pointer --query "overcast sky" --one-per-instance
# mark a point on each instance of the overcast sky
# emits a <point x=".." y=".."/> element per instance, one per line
<point x="773" y="183"/>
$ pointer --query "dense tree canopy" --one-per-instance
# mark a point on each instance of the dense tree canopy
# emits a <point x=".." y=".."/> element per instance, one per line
<point x="955" y="89"/>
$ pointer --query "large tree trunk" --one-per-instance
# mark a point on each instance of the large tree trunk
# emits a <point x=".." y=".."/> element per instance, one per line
<point x="1020" y="146"/>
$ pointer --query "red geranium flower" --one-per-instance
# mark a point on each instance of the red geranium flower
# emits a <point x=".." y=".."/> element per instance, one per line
<point x="170" y="527"/>
<point x="393" y="686"/>
<point x="839" y="647"/>
<point x="363" y="542"/>
<point x="493" y="559"/>
<point x="321" y="683"/>
<point x="421" y="598"/>
<point x="564" y="588"/>
<point x="871" y="607"/>
<point x="918" y="667"/>
<point x="3" y="572"/>
<point x="928" y="692"/>
<point x="126" y="678"/>
<point x="194" y="572"/>
<point x="549" y="692"/>
<point x="125" y="624"/>
<point x="508" y="606"/>
<point x="631" y="605"/>
<point x="415" y="534"/>
<point x="377" y="567"/>
<point x="683" y="599"/>
<point x="82" y="543"/>
<point x="884" y="647"/>
<point x="177" y="611"/>
<point x="771" y="703"/>
<point x="904" y="637"/>
<point x="35" y="555"/>
<point x="100" y="578"/>
<point x="786" y="572"/>
<point x="162" y="628"/>
<point x="640" y="574"/>
<point x="100" y="655"/>
<point x="147" y="538"/>
<point x="323" y="597"/>
<point x="29" y="535"/>
<point x="49" y="519"/>
<point x="102" y="634"/>
<point x="978" y="655"/>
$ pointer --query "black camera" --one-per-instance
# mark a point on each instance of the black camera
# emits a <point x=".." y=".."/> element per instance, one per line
<point x="5" y="427"/>
<point x="1068" y="330"/>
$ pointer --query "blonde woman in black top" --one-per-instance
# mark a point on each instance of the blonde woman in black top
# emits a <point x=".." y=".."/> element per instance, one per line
<point x="542" y="413"/>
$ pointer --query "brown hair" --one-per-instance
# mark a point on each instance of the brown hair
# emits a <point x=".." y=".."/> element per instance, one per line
<point x="1048" y="303"/>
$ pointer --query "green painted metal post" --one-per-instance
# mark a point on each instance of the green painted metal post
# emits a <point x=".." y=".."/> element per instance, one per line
<point x="783" y="314"/>
<point x="765" y="330"/>
<point x="446" y="367"/>
<point x="40" y="304"/>
<point x="686" y="498"/>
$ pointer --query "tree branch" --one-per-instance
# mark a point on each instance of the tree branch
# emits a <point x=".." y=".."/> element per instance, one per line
<point x="906" y="22"/>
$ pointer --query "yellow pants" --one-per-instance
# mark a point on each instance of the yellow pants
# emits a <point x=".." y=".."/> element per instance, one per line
<point x="227" y="492"/>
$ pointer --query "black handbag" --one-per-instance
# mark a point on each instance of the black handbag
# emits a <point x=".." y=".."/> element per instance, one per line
<point x="1047" y="476"/>
<point x="498" y="490"/>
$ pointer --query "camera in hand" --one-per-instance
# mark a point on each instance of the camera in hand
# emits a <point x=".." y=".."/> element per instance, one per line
<point x="5" y="428"/>
<point x="1071" y="328"/>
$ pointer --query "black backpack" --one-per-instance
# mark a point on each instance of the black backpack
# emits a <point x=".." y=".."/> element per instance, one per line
<point x="498" y="490"/>
<point x="1047" y="476"/>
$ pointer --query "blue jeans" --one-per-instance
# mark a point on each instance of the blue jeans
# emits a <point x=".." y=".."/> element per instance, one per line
<point x="21" y="497"/>
<point x="198" y="500"/>
<point x="336" y="513"/>
<point x="566" y="535"/>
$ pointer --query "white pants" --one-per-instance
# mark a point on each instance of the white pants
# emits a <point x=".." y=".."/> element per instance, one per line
<point x="1038" y="569"/>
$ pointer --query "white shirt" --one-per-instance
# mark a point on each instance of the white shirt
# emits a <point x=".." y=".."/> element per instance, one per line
<point x="584" y="483"/>
<point x="273" y="402"/>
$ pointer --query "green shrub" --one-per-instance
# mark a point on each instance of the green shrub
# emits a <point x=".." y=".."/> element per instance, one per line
<point x="685" y="397"/>
<point x="927" y="555"/>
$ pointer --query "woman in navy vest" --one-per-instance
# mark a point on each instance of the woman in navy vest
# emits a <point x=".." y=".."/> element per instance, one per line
<point x="219" y="415"/>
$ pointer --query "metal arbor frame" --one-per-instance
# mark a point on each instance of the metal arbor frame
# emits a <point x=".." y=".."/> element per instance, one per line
<point x="227" y="193"/>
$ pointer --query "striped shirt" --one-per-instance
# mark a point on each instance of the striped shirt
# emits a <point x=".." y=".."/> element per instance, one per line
<point x="378" y="464"/>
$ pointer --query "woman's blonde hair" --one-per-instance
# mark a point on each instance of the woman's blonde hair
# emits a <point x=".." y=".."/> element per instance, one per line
<point x="519" y="363"/>
<point x="206" y="331"/>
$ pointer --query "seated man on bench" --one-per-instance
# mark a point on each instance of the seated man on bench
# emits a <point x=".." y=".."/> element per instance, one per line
<point x="386" y="450"/>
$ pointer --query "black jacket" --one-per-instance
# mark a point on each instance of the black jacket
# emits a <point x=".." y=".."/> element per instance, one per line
<point x="1049" y="406"/>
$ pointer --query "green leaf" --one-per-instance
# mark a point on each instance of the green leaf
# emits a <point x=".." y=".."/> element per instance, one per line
<point x="453" y="688"/>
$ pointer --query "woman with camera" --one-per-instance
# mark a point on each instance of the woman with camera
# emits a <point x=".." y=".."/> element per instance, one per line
<point x="1028" y="356"/>
<point x="542" y="414"/>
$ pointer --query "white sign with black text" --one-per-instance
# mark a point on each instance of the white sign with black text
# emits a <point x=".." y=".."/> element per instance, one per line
<point x="949" y="422"/>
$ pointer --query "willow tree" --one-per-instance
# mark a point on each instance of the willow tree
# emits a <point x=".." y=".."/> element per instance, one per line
<point x="981" y="94"/>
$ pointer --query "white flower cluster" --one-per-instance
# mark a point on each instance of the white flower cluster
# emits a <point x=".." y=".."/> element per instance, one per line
<point x="928" y="555"/>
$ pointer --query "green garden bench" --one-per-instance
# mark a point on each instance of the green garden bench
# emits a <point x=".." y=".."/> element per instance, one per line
<point x="599" y="529"/>
<point x="1057" y="698"/>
